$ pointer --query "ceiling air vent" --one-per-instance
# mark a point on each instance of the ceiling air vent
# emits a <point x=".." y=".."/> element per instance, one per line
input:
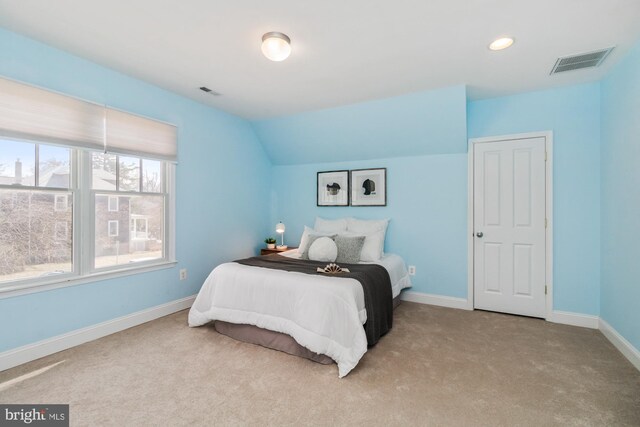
<point x="209" y="91"/>
<point x="583" y="60"/>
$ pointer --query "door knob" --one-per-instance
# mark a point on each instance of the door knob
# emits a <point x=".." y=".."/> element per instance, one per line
<point x="479" y="234"/>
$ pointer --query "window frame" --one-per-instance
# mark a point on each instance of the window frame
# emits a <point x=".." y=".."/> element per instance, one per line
<point x="83" y="229"/>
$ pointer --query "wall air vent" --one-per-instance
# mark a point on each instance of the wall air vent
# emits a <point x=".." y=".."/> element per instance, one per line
<point x="209" y="91"/>
<point x="583" y="60"/>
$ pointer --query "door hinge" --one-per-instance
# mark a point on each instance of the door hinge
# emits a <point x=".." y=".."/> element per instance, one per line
<point x="545" y="289"/>
<point x="545" y="223"/>
<point x="545" y="156"/>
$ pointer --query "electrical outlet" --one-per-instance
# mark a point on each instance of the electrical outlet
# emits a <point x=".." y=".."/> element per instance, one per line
<point x="183" y="274"/>
<point x="412" y="270"/>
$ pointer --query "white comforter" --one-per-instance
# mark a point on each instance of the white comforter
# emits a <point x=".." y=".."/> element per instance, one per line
<point x="323" y="314"/>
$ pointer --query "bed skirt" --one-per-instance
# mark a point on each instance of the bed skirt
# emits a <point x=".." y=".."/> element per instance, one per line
<point x="274" y="340"/>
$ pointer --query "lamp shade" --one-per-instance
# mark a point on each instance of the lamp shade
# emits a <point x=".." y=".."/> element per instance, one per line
<point x="280" y="227"/>
<point x="276" y="46"/>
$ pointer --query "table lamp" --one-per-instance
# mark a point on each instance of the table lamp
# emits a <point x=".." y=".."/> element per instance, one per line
<point x="280" y="230"/>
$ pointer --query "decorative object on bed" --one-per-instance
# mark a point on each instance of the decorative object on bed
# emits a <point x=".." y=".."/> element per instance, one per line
<point x="280" y="230"/>
<point x="333" y="188"/>
<point x="271" y="242"/>
<point x="323" y="249"/>
<point x="369" y="187"/>
<point x="333" y="269"/>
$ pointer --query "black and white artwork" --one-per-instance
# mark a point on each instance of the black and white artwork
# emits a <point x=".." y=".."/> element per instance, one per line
<point x="369" y="187"/>
<point x="333" y="188"/>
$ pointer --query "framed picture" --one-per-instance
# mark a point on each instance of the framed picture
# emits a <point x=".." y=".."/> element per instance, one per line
<point x="369" y="187"/>
<point x="333" y="188"/>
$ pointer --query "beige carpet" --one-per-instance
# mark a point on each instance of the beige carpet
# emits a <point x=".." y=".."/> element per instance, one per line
<point x="437" y="366"/>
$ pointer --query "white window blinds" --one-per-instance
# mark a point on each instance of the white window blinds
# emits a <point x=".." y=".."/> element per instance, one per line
<point x="27" y="112"/>
<point x="130" y="134"/>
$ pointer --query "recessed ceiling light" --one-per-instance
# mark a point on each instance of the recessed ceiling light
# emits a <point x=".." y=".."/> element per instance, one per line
<point x="276" y="46"/>
<point x="501" y="43"/>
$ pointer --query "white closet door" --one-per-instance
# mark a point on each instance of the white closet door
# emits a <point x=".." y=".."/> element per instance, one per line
<point x="509" y="226"/>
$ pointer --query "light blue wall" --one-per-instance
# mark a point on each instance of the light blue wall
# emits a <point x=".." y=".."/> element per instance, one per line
<point x="426" y="194"/>
<point x="426" y="202"/>
<point x="230" y="197"/>
<point x="431" y="122"/>
<point x="573" y="114"/>
<point x="620" y="293"/>
<point x="222" y="176"/>
<point x="429" y="224"/>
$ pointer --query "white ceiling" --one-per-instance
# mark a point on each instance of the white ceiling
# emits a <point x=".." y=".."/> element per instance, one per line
<point x="343" y="51"/>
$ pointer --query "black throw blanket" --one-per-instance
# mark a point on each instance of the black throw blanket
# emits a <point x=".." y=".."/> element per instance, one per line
<point x="374" y="278"/>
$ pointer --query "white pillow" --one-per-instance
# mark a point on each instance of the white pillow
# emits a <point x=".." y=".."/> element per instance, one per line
<point x="323" y="249"/>
<point x="304" y="239"/>
<point x="373" y="246"/>
<point x="330" y="225"/>
<point x="367" y="225"/>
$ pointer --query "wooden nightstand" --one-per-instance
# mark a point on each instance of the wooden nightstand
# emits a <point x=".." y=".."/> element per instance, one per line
<point x="265" y="251"/>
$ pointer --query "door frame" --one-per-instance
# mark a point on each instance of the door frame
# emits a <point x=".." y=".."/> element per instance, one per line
<point x="548" y="136"/>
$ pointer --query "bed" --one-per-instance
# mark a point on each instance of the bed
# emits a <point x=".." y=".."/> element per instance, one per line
<point x="324" y="314"/>
<point x="285" y="301"/>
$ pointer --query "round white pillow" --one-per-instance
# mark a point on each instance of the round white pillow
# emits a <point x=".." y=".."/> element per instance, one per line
<point x="323" y="249"/>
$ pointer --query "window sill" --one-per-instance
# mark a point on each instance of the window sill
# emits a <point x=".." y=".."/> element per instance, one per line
<point x="30" y="288"/>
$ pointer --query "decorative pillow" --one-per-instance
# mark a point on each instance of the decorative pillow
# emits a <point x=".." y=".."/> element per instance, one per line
<point x="323" y="249"/>
<point x="330" y="225"/>
<point x="349" y="248"/>
<point x="373" y="246"/>
<point x="311" y="238"/>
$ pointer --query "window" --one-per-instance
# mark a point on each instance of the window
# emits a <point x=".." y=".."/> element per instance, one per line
<point x="141" y="197"/>
<point x="112" y="227"/>
<point x="61" y="231"/>
<point x="55" y="225"/>
<point x="61" y="203"/>
<point x="113" y="203"/>
<point x="35" y="211"/>
<point x="139" y="227"/>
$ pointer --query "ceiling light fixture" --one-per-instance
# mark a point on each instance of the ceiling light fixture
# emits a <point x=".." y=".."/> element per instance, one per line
<point x="501" y="43"/>
<point x="276" y="46"/>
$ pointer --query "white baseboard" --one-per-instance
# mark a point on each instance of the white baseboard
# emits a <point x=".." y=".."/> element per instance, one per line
<point x="620" y="342"/>
<point x="441" y="300"/>
<point x="29" y="352"/>
<point x="574" y="319"/>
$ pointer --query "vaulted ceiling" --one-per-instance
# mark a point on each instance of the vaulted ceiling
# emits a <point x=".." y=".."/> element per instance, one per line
<point x="343" y="51"/>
